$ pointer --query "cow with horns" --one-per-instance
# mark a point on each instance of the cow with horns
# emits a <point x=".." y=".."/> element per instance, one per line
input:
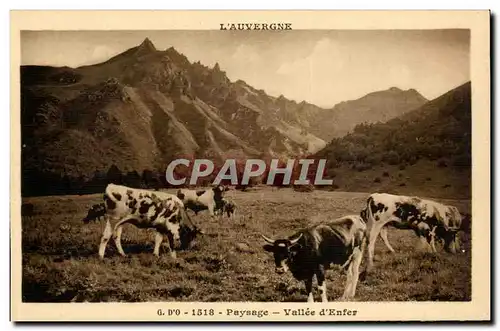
<point x="312" y="250"/>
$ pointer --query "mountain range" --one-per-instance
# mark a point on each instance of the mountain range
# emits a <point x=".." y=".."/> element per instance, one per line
<point x="144" y="107"/>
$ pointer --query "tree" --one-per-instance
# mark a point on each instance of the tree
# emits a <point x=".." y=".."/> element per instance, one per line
<point x="114" y="175"/>
<point x="133" y="179"/>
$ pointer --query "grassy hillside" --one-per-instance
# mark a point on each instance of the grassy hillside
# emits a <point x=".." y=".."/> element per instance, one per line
<point x="430" y="146"/>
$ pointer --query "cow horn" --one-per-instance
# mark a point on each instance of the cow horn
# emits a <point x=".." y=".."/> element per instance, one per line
<point x="267" y="239"/>
<point x="294" y="241"/>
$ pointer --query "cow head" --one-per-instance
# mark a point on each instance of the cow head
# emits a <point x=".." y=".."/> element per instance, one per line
<point x="187" y="235"/>
<point x="219" y="191"/>
<point x="466" y="222"/>
<point x="188" y="231"/>
<point x="94" y="212"/>
<point x="283" y="250"/>
<point x="449" y="236"/>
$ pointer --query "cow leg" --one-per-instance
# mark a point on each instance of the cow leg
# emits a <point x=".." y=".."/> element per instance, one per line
<point x="158" y="240"/>
<point x="320" y="276"/>
<point x="383" y="235"/>
<point x="309" y="284"/>
<point x="424" y="243"/>
<point x="211" y="211"/>
<point x="117" y="234"/>
<point x="105" y="238"/>
<point x="171" y="245"/>
<point x="118" y="240"/>
<point x="373" y="233"/>
<point x="432" y="240"/>
<point x="353" y="273"/>
<point x="424" y="235"/>
<point x="346" y="263"/>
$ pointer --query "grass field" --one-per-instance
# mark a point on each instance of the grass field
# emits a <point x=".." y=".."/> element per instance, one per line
<point x="60" y="262"/>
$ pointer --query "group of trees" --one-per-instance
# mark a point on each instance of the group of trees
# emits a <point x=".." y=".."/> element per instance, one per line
<point x="37" y="183"/>
<point x="400" y="142"/>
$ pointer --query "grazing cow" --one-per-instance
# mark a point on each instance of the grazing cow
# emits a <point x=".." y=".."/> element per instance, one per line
<point x="225" y="206"/>
<point x="95" y="213"/>
<point x="405" y="212"/>
<point x="28" y="210"/>
<point x="312" y="250"/>
<point x="145" y="209"/>
<point x="202" y="199"/>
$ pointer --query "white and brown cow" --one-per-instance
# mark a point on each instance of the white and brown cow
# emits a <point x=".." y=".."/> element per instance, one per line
<point x="145" y="209"/>
<point x="202" y="199"/>
<point x="428" y="219"/>
<point x="312" y="250"/>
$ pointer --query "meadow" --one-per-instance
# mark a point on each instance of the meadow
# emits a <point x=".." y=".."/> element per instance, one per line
<point x="60" y="261"/>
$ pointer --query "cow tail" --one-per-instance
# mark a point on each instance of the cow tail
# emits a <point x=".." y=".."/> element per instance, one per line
<point x="185" y="218"/>
<point x="369" y="214"/>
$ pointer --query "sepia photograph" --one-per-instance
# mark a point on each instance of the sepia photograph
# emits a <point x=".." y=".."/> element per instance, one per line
<point x="252" y="162"/>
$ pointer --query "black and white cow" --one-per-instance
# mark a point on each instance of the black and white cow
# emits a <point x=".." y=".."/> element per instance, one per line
<point x="225" y="206"/>
<point x="95" y="213"/>
<point x="428" y="219"/>
<point x="202" y="199"/>
<point x="312" y="250"/>
<point x="145" y="209"/>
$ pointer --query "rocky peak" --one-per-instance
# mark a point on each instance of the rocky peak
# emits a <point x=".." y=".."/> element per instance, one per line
<point x="146" y="47"/>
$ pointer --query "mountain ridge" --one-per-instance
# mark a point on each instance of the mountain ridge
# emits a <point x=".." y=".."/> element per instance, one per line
<point x="432" y="143"/>
<point x="144" y="107"/>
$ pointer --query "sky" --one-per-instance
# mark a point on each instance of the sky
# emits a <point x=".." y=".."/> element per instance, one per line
<point x="323" y="67"/>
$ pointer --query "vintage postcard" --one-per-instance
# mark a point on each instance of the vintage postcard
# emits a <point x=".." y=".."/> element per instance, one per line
<point x="250" y="166"/>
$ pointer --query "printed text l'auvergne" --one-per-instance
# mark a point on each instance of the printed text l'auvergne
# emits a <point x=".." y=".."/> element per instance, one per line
<point x="256" y="26"/>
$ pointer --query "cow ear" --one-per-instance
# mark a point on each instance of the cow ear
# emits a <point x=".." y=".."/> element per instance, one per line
<point x="269" y="248"/>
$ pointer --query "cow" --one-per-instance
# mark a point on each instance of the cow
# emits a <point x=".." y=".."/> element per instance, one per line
<point x="225" y="206"/>
<point x="28" y="210"/>
<point x="95" y="213"/>
<point x="428" y="219"/>
<point x="202" y="199"/>
<point x="312" y="250"/>
<point x="145" y="209"/>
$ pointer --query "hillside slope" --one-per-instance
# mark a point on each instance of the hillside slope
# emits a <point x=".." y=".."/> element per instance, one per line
<point x="434" y="140"/>
<point x="380" y="106"/>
